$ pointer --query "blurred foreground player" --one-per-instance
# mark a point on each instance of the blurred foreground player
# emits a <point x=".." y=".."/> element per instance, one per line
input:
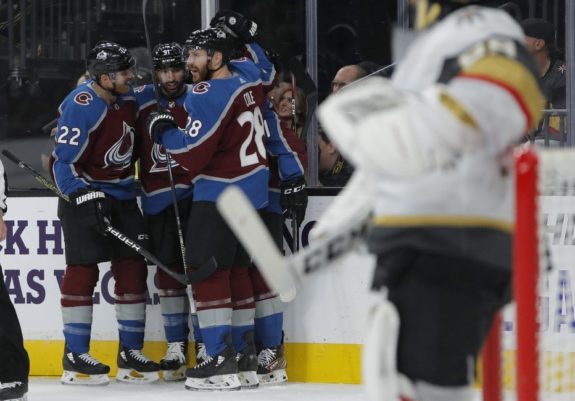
<point x="431" y="151"/>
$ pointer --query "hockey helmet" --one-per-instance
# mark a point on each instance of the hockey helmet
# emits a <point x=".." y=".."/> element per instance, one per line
<point x="211" y="39"/>
<point x="106" y="58"/>
<point x="168" y="55"/>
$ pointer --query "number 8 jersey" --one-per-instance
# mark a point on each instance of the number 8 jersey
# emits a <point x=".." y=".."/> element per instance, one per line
<point x="223" y="142"/>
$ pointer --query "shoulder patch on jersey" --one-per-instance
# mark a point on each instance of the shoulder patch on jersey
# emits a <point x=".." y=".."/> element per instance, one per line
<point x="562" y="69"/>
<point x="201" y="87"/>
<point x="139" y="89"/>
<point x="83" y="98"/>
<point x="241" y="59"/>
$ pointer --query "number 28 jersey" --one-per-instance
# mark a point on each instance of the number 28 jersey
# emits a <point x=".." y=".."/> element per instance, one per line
<point x="223" y="142"/>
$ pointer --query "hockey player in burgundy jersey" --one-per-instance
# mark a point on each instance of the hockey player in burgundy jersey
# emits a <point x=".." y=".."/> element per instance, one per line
<point x="222" y="145"/>
<point x="92" y="164"/>
<point x="157" y="206"/>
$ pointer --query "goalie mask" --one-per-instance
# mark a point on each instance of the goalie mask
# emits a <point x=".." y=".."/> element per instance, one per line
<point x="427" y="12"/>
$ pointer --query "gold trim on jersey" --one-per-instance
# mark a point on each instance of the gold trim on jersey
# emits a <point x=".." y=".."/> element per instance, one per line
<point x="513" y="76"/>
<point x="457" y="109"/>
<point x="442" y="220"/>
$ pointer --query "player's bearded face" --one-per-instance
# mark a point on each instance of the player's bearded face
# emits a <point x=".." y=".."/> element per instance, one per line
<point x="171" y="79"/>
<point x="197" y="64"/>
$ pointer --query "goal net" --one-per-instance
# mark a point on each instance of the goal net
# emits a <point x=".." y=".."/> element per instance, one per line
<point x="530" y="353"/>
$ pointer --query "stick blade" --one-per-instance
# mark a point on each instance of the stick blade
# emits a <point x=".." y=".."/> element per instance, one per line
<point x="248" y="227"/>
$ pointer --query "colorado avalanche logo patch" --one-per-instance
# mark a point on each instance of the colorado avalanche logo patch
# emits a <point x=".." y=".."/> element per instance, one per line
<point x="201" y="87"/>
<point x="83" y="98"/>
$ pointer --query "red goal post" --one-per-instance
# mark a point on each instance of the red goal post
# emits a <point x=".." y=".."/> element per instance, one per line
<point x="537" y="361"/>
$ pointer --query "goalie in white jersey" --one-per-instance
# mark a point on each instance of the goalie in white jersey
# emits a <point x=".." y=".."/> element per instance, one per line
<point x="431" y="149"/>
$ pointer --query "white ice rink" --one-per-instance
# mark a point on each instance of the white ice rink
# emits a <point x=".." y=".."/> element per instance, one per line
<point x="50" y="389"/>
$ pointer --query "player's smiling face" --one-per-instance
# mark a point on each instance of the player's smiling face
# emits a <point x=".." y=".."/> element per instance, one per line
<point x="171" y="79"/>
<point x="197" y="64"/>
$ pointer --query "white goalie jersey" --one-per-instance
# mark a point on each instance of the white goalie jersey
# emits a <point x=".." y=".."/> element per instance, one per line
<point x="431" y="146"/>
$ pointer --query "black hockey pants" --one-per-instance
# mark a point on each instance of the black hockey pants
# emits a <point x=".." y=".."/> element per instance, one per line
<point x="14" y="362"/>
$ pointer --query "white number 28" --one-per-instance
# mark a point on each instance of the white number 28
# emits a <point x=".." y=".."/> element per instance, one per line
<point x="257" y="132"/>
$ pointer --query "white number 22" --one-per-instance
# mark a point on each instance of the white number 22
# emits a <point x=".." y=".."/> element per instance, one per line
<point x="73" y="140"/>
<point x="257" y="132"/>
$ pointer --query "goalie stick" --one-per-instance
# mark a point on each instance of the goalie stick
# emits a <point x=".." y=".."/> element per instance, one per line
<point x="198" y="275"/>
<point x="283" y="274"/>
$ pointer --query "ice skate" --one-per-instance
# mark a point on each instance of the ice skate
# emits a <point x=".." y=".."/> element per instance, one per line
<point x="83" y="369"/>
<point x="219" y="372"/>
<point x="173" y="364"/>
<point x="272" y="366"/>
<point x="135" y="367"/>
<point x="248" y="363"/>
<point x="201" y="353"/>
<point x="14" y="391"/>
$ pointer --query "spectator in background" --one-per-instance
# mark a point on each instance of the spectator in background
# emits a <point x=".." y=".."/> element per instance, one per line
<point x="346" y="75"/>
<point x="334" y="170"/>
<point x="281" y="98"/>
<point x="540" y="43"/>
<point x="540" y="35"/>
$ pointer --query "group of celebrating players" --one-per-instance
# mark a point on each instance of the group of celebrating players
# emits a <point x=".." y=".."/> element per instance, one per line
<point x="202" y="137"/>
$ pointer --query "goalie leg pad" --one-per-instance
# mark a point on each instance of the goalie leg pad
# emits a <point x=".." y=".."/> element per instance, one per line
<point x="379" y="352"/>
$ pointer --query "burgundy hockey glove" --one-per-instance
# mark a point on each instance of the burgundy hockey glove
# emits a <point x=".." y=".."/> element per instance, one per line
<point x="293" y="199"/>
<point x="158" y="123"/>
<point x="91" y="209"/>
<point x="236" y="25"/>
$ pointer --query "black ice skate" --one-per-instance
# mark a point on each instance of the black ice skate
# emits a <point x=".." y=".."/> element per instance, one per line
<point x="219" y="372"/>
<point x="173" y="364"/>
<point x="201" y="353"/>
<point x="83" y="369"/>
<point x="248" y="363"/>
<point x="272" y="365"/>
<point x="135" y="367"/>
<point x="14" y="391"/>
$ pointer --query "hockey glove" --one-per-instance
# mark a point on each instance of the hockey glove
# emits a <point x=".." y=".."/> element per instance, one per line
<point x="293" y="199"/>
<point x="236" y="25"/>
<point x="158" y="123"/>
<point x="90" y="209"/>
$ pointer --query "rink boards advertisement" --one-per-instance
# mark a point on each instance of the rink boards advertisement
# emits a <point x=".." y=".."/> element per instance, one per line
<point x="324" y="326"/>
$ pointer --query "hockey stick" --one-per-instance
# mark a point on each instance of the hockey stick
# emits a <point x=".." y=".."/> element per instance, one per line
<point x="281" y="273"/>
<point x="294" y="223"/>
<point x="168" y="158"/>
<point x="202" y="273"/>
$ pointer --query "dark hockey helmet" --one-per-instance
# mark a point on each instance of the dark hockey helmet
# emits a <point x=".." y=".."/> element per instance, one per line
<point x="168" y="55"/>
<point x="211" y="39"/>
<point x="108" y="57"/>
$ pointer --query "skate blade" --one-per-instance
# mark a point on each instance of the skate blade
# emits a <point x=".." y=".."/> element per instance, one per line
<point x="276" y="377"/>
<point x="134" y="377"/>
<point x="249" y="379"/>
<point x="75" y="378"/>
<point x="175" y="375"/>
<point x="229" y="382"/>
